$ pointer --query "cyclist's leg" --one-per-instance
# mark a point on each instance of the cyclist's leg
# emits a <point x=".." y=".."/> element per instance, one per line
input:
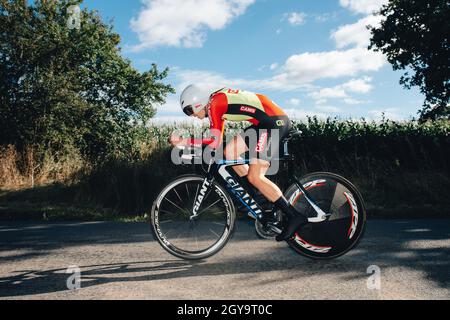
<point x="259" y="165"/>
<point x="257" y="177"/>
<point x="233" y="151"/>
<point x="238" y="146"/>
<point x="260" y="157"/>
<point x="272" y="192"/>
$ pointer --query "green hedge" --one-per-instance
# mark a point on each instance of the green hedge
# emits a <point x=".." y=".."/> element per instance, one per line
<point x="401" y="167"/>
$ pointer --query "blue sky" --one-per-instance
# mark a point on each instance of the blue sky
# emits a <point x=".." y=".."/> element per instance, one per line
<point x="309" y="56"/>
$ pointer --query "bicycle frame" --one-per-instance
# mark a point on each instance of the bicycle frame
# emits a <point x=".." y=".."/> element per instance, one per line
<point x="236" y="189"/>
<point x="242" y="195"/>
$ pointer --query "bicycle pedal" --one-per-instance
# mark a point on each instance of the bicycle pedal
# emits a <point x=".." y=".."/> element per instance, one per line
<point x="274" y="227"/>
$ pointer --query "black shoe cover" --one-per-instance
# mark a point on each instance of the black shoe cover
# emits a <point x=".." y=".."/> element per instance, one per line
<point x="291" y="227"/>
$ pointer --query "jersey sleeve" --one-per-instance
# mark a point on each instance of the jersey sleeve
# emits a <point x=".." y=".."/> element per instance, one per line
<point x="218" y="106"/>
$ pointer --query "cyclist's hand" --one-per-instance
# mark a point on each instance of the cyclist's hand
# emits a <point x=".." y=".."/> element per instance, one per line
<point x="176" y="140"/>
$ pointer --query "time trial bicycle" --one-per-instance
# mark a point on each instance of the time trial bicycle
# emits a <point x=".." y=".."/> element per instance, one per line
<point x="194" y="215"/>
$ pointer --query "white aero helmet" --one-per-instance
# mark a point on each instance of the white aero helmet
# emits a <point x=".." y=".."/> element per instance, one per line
<point x="194" y="99"/>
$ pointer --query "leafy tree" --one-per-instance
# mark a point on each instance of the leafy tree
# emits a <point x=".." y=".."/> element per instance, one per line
<point x="63" y="86"/>
<point x="415" y="37"/>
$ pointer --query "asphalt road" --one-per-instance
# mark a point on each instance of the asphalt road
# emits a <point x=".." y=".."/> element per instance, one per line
<point x="122" y="261"/>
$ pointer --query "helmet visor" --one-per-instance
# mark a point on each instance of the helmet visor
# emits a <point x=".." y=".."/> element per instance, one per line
<point x="188" y="110"/>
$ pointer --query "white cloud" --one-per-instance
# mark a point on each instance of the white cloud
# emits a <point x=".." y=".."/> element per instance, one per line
<point x="328" y="93"/>
<point x="355" y="34"/>
<point x="324" y="17"/>
<point x="217" y="80"/>
<point x="202" y="77"/>
<point x="295" y="18"/>
<point x="363" y="6"/>
<point x="183" y="23"/>
<point x="307" y="67"/>
<point x="321" y="101"/>
<point x="297" y="75"/>
<point x="352" y="101"/>
<point x="294" y="102"/>
<point x="300" y="70"/>
<point x="273" y="66"/>
<point x="361" y="86"/>
<point x="355" y="59"/>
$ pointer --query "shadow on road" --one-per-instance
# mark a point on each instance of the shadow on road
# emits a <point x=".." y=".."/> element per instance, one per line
<point x="419" y="245"/>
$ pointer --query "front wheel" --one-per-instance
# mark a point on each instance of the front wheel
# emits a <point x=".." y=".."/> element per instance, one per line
<point x="342" y="230"/>
<point x="184" y="235"/>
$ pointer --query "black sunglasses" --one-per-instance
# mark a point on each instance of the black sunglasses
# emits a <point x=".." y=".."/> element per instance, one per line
<point x="188" y="110"/>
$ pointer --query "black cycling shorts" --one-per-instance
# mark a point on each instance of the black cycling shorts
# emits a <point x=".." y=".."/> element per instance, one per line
<point x="263" y="140"/>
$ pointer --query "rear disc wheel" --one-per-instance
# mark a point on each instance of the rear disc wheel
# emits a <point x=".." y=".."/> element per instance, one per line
<point x="342" y="230"/>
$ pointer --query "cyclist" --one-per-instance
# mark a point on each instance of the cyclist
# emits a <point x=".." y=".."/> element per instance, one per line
<point x="264" y="115"/>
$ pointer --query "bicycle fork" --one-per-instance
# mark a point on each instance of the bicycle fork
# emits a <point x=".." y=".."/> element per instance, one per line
<point x="201" y="194"/>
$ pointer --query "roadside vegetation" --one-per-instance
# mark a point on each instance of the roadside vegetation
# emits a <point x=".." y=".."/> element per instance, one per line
<point x="75" y="139"/>
<point x="402" y="169"/>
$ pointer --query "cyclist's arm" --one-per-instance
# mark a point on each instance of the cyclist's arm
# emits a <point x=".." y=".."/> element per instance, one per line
<point x="218" y="107"/>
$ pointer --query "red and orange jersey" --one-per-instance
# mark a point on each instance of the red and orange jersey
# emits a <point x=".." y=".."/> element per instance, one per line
<point x="236" y="105"/>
